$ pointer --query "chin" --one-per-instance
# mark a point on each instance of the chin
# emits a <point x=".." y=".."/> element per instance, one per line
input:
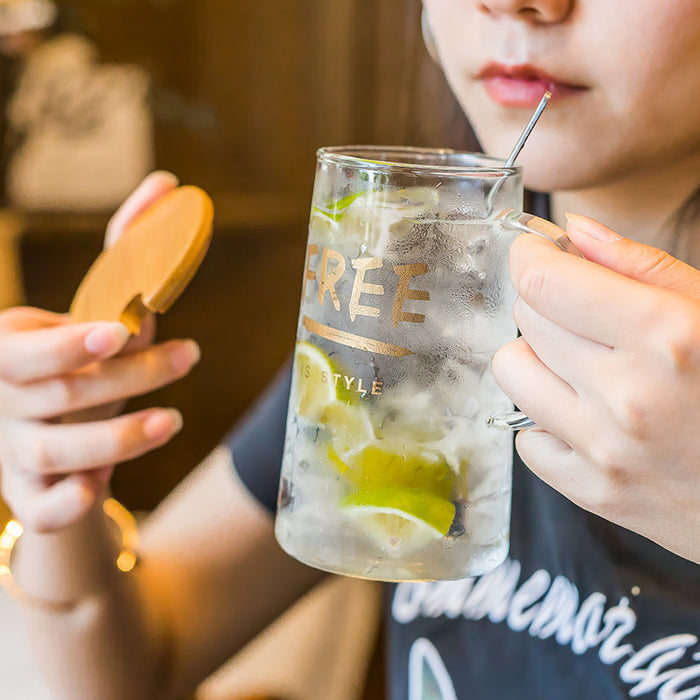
<point x="548" y="176"/>
<point x="552" y="162"/>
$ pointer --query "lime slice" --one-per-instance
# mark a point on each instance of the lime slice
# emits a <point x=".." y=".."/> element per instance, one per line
<point x="313" y="381"/>
<point x="350" y="428"/>
<point x="335" y="210"/>
<point x="398" y="520"/>
<point x="380" y="466"/>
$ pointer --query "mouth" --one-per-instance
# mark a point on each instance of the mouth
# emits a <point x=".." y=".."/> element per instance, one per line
<point x="523" y="85"/>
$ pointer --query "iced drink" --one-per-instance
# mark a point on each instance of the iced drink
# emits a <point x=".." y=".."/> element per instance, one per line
<point x="390" y="469"/>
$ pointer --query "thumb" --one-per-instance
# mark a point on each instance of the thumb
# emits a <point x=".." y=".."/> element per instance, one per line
<point x="639" y="262"/>
<point x="149" y="191"/>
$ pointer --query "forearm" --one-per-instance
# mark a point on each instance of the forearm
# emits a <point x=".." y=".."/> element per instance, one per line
<point x="211" y="577"/>
<point x="221" y="577"/>
<point x="105" y="643"/>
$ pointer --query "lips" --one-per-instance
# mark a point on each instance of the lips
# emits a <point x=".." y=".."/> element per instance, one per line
<point x="524" y="85"/>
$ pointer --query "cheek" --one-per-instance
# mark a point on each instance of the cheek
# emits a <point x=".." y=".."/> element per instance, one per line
<point x="461" y="36"/>
<point x="641" y="59"/>
<point x="654" y="101"/>
<point x="662" y="44"/>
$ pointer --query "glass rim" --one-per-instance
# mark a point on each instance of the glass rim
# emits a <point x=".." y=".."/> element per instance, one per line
<point x="360" y="157"/>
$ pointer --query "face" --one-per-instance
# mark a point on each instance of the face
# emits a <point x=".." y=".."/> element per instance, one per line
<point x="625" y="77"/>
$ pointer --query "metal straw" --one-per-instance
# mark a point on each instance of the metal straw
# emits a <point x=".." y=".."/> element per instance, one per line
<point x="528" y="129"/>
<point x="518" y="147"/>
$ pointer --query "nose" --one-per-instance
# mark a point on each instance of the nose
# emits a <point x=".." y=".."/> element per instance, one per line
<point x="540" y="11"/>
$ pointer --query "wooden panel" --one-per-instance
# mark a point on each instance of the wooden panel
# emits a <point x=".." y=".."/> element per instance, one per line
<point x="245" y="91"/>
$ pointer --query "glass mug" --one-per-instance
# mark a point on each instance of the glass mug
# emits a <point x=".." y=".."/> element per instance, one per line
<point x="394" y="467"/>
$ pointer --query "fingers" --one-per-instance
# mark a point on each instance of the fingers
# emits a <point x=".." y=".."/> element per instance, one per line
<point x="61" y="504"/>
<point x="634" y="260"/>
<point x="150" y="190"/>
<point x="537" y="391"/>
<point x="42" y="449"/>
<point x="31" y="355"/>
<point x="563" y="469"/>
<point x="574" y="359"/>
<point x="576" y="293"/>
<point x="145" y="337"/>
<point x="101" y="383"/>
<point x="25" y="318"/>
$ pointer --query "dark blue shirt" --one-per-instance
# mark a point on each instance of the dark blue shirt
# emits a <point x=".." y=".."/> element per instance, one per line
<point x="581" y="609"/>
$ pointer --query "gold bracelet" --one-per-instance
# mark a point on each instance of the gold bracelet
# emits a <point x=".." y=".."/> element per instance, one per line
<point x="127" y="558"/>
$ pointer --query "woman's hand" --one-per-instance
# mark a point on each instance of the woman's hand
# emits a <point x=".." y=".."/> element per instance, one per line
<point x="608" y="366"/>
<point x="59" y="383"/>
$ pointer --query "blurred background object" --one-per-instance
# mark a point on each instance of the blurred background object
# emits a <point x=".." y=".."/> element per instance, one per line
<point x="22" y="23"/>
<point x="83" y="129"/>
<point x="232" y="96"/>
<point x="18" y="17"/>
<point x="322" y="649"/>
<point x="11" y="287"/>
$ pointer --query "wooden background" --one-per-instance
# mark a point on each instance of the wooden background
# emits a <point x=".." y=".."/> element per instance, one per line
<point x="244" y="92"/>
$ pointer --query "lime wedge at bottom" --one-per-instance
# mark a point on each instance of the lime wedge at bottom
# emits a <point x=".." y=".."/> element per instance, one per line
<point x="398" y="520"/>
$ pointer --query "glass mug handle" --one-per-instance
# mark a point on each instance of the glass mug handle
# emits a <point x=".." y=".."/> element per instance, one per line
<point x="527" y="223"/>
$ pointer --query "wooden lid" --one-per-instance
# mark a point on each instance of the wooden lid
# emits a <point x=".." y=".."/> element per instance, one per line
<point x="151" y="263"/>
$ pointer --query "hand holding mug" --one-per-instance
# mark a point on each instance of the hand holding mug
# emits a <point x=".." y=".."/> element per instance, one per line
<point x="608" y="366"/>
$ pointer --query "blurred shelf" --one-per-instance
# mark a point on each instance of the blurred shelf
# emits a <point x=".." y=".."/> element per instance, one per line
<point x="236" y="213"/>
<point x="265" y="210"/>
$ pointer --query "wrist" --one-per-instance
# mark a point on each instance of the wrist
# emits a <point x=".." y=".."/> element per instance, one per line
<point x="58" y="570"/>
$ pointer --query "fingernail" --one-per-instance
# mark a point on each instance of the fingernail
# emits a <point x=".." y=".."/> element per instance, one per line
<point x="185" y="355"/>
<point x="591" y="227"/>
<point x="162" y="423"/>
<point x="164" y="175"/>
<point x="106" y="339"/>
